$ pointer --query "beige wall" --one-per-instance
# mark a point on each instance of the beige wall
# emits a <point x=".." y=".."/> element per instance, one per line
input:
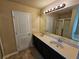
<point x="6" y="23"/>
<point x="42" y="23"/>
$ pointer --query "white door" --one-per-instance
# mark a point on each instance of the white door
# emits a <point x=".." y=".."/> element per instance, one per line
<point x="59" y="27"/>
<point x="49" y="24"/>
<point x="22" y="27"/>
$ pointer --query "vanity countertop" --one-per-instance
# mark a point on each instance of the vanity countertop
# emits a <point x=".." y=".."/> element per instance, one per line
<point x="65" y="40"/>
<point x="66" y="50"/>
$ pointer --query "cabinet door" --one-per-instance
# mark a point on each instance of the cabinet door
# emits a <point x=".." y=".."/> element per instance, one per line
<point x="45" y="50"/>
<point x="37" y="44"/>
<point x="50" y="53"/>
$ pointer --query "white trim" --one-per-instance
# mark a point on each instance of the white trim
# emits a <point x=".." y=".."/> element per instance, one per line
<point x="11" y="54"/>
<point x="4" y="57"/>
<point x="2" y="46"/>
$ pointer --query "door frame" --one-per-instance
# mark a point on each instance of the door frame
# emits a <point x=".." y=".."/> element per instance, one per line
<point x="2" y="49"/>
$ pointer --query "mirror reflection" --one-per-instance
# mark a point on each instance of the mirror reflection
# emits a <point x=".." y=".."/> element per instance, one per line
<point x="64" y="23"/>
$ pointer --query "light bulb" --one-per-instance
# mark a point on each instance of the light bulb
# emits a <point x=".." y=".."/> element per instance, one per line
<point x="49" y="10"/>
<point x="46" y="11"/>
<point x="56" y="7"/>
<point x="52" y="8"/>
<point x="61" y="5"/>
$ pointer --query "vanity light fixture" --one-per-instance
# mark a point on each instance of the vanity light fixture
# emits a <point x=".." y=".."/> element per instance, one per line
<point x="46" y="11"/>
<point x="49" y="10"/>
<point x="56" y="8"/>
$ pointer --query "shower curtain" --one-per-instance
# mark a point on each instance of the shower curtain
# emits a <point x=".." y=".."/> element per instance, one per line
<point x="75" y="30"/>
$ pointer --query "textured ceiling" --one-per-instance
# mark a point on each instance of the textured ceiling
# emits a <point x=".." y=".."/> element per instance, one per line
<point x="35" y="3"/>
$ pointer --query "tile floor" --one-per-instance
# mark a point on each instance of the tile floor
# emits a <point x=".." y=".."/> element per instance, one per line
<point x="30" y="53"/>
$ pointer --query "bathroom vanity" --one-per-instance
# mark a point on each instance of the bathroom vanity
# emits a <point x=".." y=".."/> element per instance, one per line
<point x="46" y="51"/>
<point x="51" y="48"/>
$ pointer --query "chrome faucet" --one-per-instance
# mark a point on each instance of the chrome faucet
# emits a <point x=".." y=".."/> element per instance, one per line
<point x="59" y="40"/>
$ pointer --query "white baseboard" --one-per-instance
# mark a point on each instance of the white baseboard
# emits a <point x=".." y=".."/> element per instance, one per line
<point x="11" y="54"/>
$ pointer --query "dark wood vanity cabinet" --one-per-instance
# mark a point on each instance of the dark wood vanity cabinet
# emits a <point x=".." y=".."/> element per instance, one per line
<point x="45" y="50"/>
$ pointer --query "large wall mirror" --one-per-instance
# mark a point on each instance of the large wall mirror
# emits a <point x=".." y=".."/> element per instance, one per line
<point x="62" y="23"/>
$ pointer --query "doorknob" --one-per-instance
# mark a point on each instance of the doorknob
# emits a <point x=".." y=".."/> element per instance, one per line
<point x="29" y="34"/>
